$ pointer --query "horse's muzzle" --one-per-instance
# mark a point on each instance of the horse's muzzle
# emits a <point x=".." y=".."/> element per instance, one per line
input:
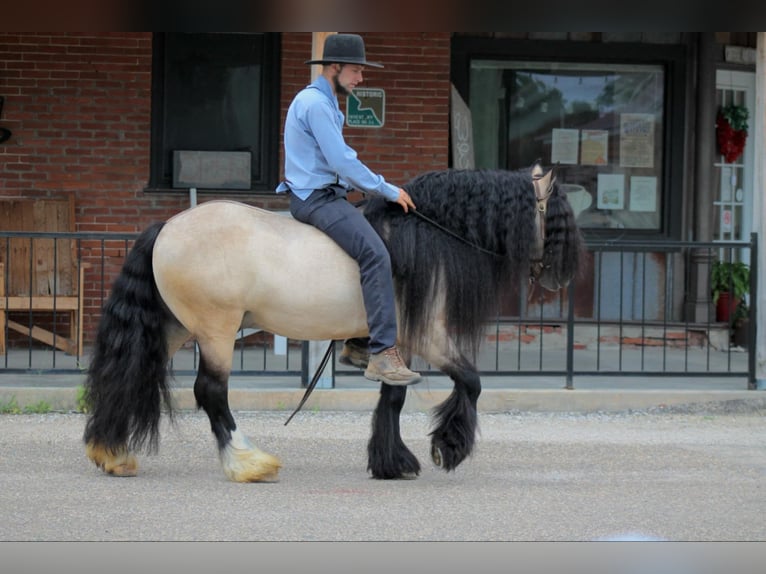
<point x="545" y="276"/>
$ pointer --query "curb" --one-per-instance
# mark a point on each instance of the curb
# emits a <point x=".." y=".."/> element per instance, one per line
<point x="490" y="401"/>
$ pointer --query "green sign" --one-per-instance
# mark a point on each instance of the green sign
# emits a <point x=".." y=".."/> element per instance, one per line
<point x="366" y="107"/>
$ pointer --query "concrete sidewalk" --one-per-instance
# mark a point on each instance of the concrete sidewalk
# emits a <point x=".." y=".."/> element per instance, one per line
<point x="500" y="393"/>
<point x="355" y="393"/>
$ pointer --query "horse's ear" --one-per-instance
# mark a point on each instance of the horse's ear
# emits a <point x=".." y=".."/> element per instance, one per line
<point x="553" y="173"/>
<point x="537" y="168"/>
<point x="546" y="180"/>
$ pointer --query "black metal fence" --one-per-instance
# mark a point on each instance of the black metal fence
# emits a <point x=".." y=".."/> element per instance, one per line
<point x="635" y="311"/>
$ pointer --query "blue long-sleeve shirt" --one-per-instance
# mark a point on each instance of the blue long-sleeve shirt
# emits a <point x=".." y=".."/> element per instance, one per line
<point x="316" y="155"/>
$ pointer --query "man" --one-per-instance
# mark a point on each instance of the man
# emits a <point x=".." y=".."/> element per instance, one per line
<point x="320" y="168"/>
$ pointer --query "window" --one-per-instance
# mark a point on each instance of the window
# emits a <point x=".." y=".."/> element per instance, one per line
<point x="608" y="121"/>
<point x="216" y="92"/>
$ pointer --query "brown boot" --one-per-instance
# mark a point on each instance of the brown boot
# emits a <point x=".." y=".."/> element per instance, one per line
<point x="355" y="353"/>
<point x="388" y="367"/>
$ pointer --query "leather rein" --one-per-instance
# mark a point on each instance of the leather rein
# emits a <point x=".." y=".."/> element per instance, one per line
<point x="536" y="262"/>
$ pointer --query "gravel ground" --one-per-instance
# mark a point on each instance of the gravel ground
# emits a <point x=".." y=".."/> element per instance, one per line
<point x="681" y="473"/>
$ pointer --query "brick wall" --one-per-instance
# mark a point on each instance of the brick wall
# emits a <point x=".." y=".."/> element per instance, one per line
<point x="79" y="106"/>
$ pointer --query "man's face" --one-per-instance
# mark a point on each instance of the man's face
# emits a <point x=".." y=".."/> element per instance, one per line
<point x="347" y="77"/>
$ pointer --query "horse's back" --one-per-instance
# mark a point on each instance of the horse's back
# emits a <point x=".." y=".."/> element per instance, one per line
<point x="228" y="257"/>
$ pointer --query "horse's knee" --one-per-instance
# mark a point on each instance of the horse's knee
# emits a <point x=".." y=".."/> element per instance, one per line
<point x="466" y="379"/>
<point x="472" y="384"/>
<point x="392" y="397"/>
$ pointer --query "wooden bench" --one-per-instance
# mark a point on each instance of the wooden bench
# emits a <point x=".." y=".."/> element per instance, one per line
<point x="41" y="278"/>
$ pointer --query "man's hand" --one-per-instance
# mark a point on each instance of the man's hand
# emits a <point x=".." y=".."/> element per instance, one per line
<point x="405" y="201"/>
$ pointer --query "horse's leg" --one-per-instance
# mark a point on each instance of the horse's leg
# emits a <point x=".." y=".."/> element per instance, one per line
<point x="387" y="455"/>
<point x="454" y="432"/>
<point x="241" y="460"/>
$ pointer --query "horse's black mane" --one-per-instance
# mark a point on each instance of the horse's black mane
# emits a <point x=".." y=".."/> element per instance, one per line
<point x="492" y="209"/>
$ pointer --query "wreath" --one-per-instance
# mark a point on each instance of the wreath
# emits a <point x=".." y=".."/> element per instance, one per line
<point x="731" y="131"/>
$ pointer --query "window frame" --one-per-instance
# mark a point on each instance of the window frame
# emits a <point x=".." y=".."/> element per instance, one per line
<point x="266" y="179"/>
<point x="672" y="57"/>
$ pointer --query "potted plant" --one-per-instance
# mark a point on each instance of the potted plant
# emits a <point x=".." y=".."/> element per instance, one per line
<point x="729" y="281"/>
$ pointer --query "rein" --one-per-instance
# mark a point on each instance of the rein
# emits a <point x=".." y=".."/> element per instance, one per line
<point x="542" y="206"/>
<point x="455" y="235"/>
<point x="313" y="383"/>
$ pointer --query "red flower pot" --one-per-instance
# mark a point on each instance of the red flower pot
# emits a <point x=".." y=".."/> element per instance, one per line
<point x="725" y="307"/>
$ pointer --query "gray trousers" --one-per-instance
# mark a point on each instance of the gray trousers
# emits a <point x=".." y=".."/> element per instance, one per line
<point x="329" y="210"/>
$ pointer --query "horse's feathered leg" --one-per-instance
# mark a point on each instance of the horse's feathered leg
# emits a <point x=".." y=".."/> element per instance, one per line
<point x="455" y="420"/>
<point x="240" y="459"/>
<point x="127" y="377"/>
<point x="387" y="455"/>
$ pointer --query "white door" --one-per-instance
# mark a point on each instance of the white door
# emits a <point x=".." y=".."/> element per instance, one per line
<point x="733" y="198"/>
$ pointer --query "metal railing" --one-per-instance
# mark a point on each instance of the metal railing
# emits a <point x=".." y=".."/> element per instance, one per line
<point x="625" y="317"/>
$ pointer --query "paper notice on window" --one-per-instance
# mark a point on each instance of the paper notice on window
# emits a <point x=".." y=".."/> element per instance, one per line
<point x="611" y="191"/>
<point x="636" y="140"/>
<point x="564" y="146"/>
<point x="594" y="147"/>
<point x="643" y="193"/>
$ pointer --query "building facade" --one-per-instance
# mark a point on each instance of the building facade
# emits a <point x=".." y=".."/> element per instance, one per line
<point x="628" y="119"/>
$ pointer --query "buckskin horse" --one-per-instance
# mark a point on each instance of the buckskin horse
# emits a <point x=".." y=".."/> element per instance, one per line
<point x="223" y="265"/>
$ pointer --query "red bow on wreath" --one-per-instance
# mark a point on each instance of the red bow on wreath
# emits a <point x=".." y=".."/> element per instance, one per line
<point x="731" y="131"/>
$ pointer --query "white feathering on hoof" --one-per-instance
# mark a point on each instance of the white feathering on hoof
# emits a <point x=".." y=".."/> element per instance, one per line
<point x="243" y="462"/>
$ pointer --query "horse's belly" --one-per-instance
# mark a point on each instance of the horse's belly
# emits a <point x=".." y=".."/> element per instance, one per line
<point x="314" y="294"/>
<point x="223" y="260"/>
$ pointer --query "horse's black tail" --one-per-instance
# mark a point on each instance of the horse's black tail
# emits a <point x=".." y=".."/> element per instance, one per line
<point x="127" y="377"/>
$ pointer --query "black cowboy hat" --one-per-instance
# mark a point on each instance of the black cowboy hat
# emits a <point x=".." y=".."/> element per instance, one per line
<point x="344" y="49"/>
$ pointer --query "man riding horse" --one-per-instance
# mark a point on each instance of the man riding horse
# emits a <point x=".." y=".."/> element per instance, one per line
<point x="319" y="170"/>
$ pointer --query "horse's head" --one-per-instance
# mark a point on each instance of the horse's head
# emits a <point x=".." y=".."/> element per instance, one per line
<point x="556" y="250"/>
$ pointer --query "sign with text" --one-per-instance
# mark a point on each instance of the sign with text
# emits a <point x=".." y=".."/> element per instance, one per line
<point x="366" y="108"/>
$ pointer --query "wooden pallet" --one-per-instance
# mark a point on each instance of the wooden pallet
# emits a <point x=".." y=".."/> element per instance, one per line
<point x="41" y="278"/>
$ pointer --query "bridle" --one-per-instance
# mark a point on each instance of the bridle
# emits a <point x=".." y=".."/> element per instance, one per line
<point x="541" y="196"/>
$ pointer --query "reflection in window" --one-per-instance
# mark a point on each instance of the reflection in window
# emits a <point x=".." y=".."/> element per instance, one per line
<point x="601" y="123"/>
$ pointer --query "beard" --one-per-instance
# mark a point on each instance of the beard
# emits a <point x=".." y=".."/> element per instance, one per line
<point x="339" y="90"/>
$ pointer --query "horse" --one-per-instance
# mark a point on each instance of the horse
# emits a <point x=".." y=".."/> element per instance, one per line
<point x="222" y="265"/>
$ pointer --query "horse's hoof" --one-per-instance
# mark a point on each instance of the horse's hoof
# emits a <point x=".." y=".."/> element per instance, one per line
<point x="128" y="469"/>
<point x="436" y="455"/>
<point x="243" y="462"/>
<point x="117" y="462"/>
